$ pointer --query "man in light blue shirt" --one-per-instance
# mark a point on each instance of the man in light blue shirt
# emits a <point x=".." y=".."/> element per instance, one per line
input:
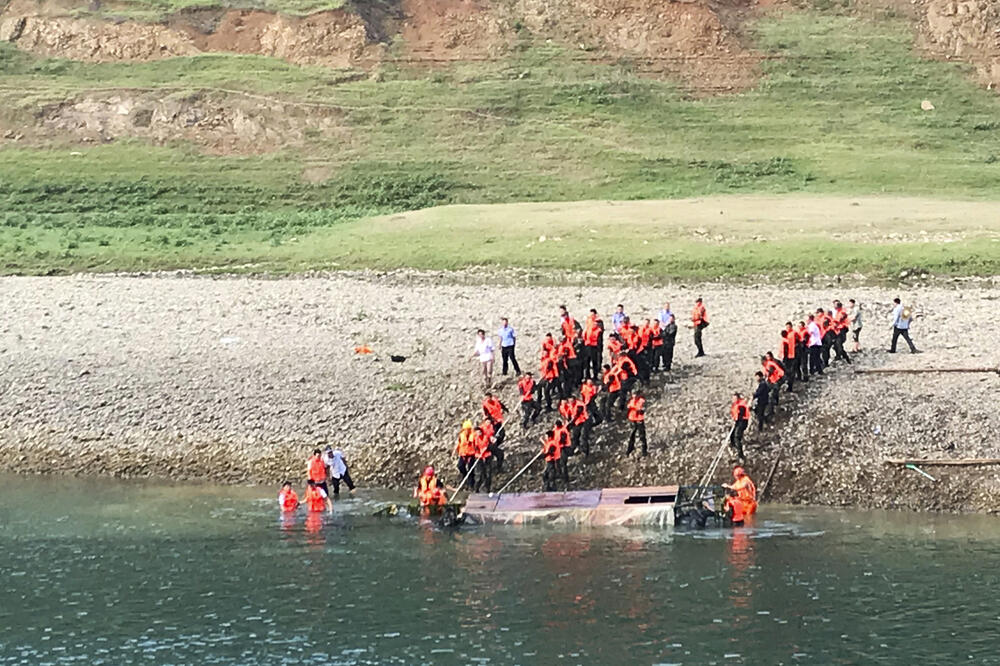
<point x="508" y="338"/>
<point x="901" y="320"/>
<point x="665" y="314"/>
<point x="618" y="318"/>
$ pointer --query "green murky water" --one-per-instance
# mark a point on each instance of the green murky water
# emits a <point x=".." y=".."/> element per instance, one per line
<point x="102" y="572"/>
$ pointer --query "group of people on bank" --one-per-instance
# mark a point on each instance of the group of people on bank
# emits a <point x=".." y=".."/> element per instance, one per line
<point x="588" y="374"/>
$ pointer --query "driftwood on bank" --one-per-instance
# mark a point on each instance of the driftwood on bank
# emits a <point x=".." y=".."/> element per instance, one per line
<point x="954" y="462"/>
<point x="767" y="482"/>
<point x="916" y="371"/>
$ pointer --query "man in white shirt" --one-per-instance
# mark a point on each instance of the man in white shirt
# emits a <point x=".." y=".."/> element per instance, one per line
<point x="815" y="346"/>
<point x="484" y="352"/>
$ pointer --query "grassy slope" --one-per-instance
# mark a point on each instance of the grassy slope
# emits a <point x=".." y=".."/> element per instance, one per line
<point x="836" y="112"/>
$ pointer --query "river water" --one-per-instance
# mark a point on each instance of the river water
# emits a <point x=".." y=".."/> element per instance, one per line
<point x="105" y="572"/>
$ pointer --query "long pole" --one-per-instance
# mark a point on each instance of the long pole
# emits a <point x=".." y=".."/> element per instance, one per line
<point x="523" y="470"/>
<point x="467" y="475"/>
<point x="715" y="461"/>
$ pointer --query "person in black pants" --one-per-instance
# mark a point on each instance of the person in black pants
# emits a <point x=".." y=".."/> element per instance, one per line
<point x="669" y="338"/>
<point x="761" y="399"/>
<point x="508" y="339"/>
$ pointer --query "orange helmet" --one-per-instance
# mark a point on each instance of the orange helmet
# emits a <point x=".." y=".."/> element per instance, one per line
<point x="738" y="471"/>
<point x="429" y="471"/>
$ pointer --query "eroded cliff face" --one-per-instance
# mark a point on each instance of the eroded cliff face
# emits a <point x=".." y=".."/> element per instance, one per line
<point x="966" y="30"/>
<point x="687" y="39"/>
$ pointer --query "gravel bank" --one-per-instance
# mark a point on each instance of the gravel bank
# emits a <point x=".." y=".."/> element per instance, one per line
<point x="236" y="379"/>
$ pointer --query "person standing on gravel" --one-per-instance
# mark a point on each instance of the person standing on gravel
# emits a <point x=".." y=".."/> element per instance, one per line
<point x="815" y="347"/>
<point x="334" y="459"/>
<point x="508" y="338"/>
<point x="901" y="320"/>
<point x="484" y="352"/>
<point x="854" y="318"/>
<point x="669" y="338"/>
<point x="699" y="321"/>
<point x="760" y="400"/>
<point x="740" y="411"/>
<point x="618" y="318"/>
<point x="665" y="314"/>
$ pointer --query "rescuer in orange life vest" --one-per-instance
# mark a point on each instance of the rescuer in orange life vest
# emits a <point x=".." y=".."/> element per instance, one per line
<point x="740" y="411"/>
<point x="552" y="454"/>
<point x="494" y="411"/>
<point x="565" y="442"/>
<point x="733" y="506"/>
<point x="287" y="499"/>
<point x="699" y="321"/>
<point x="316" y="470"/>
<point x="316" y="498"/>
<point x="588" y="391"/>
<point x="745" y="489"/>
<point x="530" y="407"/>
<point x="429" y="491"/>
<point x="483" y="439"/>
<point x="465" y="449"/>
<point x="774" y="373"/>
<point x="637" y="416"/>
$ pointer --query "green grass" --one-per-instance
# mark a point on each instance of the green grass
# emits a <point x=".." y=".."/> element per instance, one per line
<point x="837" y="111"/>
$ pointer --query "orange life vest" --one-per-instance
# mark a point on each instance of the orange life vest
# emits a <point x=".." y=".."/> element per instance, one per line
<point x="591" y="332"/>
<point x="568" y="328"/>
<point x="526" y="385"/>
<point x="466" y="443"/>
<point x="840" y="320"/>
<point x="788" y="343"/>
<point x="551" y="449"/>
<point x="483" y="446"/>
<point x="773" y="371"/>
<point x="636" y="405"/>
<point x="288" y="500"/>
<point x="429" y="491"/>
<point x="747" y="492"/>
<point x="317" y="470"/>
<point x="740" y="409"/>
<point x="588" y="391"/>
<point x="550" y="369"/>
<point x="657" y="334"/>
<point x="315" y="498"/>
<point x="494" y="408"/>
<point x="699" y="315"/>
<point x="614" y="346"/>
<point x="612" y="380"/>
<point x="626" y="368"/>
<point x="736" y="505"/>
<point x="562" y="436"/>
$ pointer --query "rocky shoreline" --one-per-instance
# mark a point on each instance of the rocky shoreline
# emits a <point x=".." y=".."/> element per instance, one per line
<point x="236" y="379"/>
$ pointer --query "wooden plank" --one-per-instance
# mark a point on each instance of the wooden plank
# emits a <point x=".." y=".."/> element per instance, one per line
<point x="954" y="462"/>
<point x="579" y="499"/>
